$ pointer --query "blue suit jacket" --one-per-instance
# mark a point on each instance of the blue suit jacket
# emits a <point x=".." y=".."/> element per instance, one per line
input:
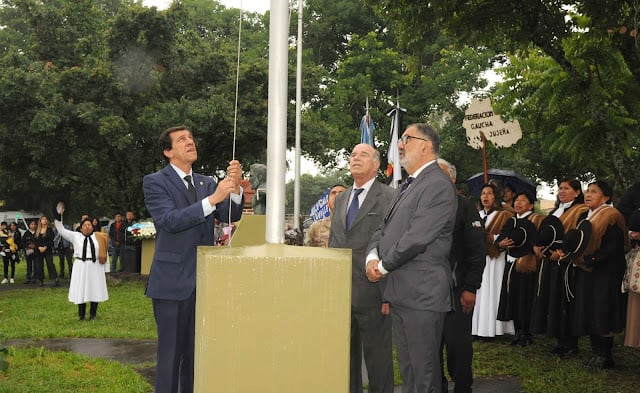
<point x="180" y="228"/>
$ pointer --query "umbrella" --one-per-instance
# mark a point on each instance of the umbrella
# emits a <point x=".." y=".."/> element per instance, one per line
<point x="503" y="176"/>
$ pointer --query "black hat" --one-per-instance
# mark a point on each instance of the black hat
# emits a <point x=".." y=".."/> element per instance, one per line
<point x="576" y="240"/>
<point x="551" y="233"/>
<point x="523" y="235"/>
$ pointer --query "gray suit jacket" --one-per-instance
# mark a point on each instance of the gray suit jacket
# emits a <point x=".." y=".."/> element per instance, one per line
<point x="414" y="243"/>
<point x="368" y="220"/>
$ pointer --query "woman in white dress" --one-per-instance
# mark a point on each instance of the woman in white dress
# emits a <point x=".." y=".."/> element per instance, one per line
<point x="88" y="280"/>
<point x="484" y="322"/>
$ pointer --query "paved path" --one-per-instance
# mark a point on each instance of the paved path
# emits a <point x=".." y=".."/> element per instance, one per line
<point x="141" y="355"/>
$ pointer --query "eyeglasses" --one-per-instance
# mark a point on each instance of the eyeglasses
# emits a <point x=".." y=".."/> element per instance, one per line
<point x="406" y="138"/>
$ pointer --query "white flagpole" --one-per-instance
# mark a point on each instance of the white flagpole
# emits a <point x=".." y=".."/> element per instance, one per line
<point x="299" y="77"/>
<point x="277" y="121"/>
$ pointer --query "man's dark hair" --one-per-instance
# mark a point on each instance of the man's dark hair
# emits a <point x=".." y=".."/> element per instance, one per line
<point x="164" y="141"/>
<point x="430" y="133"/>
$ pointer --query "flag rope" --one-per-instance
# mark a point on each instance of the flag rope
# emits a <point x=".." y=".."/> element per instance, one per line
<point x="233" y="152"/>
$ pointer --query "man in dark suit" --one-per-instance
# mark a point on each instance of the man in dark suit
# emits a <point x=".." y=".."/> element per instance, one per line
<point x="183" y="205"/>
<point x="411" y="250"/>
<point x="364" y="205"/>
<point x="467" y="260"/>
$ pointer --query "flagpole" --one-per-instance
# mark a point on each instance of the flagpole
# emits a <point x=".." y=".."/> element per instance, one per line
<point x="277" y="121"/>
<point x="299" y="77"/>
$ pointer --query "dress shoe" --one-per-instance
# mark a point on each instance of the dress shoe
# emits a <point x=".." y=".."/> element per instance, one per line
<point x="42" y="283"/>
<point x="12" y="281"/>
<point x="56" y="283"/>
<point x="516" y="340"/>
<point x="558" y="350"/>
<point x="4" y="281"/>
<point x="569" y="352"/>
<point x="525" y="341"/>
<point x="598" y="362"/>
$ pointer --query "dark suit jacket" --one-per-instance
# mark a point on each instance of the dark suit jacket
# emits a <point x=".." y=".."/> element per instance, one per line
<point x="180" y="229"/>
<point x="467" y="257"/>
<point x="414" y="243"/>
<point x="368" y="220"/>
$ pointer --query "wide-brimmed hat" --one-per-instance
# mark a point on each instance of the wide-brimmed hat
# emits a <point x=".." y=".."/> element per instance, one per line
<point x="576" y="240"/>
<point x="551" y="234"/>
<point x="524" y="236"/>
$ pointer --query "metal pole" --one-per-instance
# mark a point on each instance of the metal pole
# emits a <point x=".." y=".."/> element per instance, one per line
<point x="277" y="121"/>
<point x="299" y="83"/>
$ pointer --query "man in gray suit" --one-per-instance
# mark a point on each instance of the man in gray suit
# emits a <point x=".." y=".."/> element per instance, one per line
<point x="364" y="205"/>
<point x="411" y="251"/>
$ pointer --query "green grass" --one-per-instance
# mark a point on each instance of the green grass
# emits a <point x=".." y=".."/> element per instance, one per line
<point x="541" y="372"/>
<point x="36" y="370"/>
<point x="46" y="313"/>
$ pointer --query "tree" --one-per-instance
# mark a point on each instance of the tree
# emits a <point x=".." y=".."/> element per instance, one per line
<point x="571" y="77"/>
<point x="312" y="188"/>
<point x="87" y="87"/>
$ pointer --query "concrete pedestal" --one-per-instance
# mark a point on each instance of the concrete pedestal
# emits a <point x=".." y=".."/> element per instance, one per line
<point x="272" y="319"/>
<point x="147" y="255"/>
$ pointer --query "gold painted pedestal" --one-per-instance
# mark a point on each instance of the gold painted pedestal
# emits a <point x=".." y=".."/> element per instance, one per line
<point x="272" y="319"/>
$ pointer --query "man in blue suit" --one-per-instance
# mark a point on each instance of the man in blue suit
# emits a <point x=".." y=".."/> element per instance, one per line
<point x="183" y="205"/>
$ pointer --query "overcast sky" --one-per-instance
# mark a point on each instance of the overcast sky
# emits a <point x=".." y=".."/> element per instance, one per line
<point x="247" y="5"/>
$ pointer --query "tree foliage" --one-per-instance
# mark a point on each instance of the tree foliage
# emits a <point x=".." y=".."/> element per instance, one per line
<point x="86" y="86"/>
<point x="570" y="75"/>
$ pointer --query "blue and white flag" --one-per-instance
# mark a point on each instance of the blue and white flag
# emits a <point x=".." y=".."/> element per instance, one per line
<point x="320" y="209"/>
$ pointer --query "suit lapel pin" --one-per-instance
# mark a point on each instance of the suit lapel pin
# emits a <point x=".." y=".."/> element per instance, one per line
<point x="201" y="183"/>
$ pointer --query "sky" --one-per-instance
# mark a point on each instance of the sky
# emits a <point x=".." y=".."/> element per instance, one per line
<point x="247" y="5"/>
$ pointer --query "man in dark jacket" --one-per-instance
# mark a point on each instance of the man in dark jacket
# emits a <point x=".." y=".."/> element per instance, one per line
<point x="467" y="259"/>
<point x="116" y="238"/>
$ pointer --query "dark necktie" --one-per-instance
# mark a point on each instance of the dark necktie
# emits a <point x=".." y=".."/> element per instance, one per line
<point x="190" y="188"/>
<point x="353" y="207"/>
<point x="84" y="249"/>
<point x="406" y="184"/>
<point x="484" y="218"/>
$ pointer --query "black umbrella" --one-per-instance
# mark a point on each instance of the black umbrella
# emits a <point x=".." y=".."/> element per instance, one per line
<point x="503" y="176"/>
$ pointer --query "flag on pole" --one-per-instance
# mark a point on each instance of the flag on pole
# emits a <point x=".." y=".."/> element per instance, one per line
<point x="393" y="172"/>
<point x="367" y="126"/>
<point x="320" y="209"/>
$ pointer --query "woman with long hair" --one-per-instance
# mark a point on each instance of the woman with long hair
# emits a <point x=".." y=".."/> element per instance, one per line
<point x="44" y="252"/>
<point x="552" y="302"/>
<point x="494" y="217"/>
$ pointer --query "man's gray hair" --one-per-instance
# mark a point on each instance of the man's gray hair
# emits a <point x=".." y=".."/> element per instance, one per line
<point x="451" y="169"/>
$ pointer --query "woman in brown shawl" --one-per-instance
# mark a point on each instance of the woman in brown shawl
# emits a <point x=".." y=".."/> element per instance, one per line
<point x="600" y="305"/>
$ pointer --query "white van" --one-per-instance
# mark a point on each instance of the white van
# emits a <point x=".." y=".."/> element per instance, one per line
<point x="21" y="217"/>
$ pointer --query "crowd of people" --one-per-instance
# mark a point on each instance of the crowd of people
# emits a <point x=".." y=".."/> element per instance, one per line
<point x="430" y="271"/>
<point x="38" y="245"/>
<point x="75" y="249"/>
<point x="565" y="274"/>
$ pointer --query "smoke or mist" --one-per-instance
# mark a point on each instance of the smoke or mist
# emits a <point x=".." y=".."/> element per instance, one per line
<point x="135" y="70"/>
